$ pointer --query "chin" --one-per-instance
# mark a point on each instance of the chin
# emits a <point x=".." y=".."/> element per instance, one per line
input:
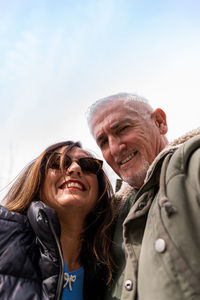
<point x="134" y="179"/>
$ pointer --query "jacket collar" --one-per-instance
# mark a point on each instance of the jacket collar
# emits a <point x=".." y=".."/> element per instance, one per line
<point x="40" y="216"/>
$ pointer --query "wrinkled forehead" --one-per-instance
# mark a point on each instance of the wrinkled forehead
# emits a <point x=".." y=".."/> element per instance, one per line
<point x="115" y="111"/>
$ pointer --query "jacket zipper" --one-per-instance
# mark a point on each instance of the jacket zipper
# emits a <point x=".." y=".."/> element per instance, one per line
<point x="60" y="278"/>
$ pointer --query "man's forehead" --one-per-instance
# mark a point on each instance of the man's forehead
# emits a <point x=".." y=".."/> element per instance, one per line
<point x="109" y="112"/>
<point x="109" y="125"/>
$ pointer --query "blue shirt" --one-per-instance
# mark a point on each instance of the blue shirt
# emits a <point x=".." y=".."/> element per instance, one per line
<point x="73" y="284"/>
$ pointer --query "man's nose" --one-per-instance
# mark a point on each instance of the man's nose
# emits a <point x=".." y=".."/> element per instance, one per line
<point x="116" y="146"/>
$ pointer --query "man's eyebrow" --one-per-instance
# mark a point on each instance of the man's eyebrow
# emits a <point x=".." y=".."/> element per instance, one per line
<point x="112" y="127"/>
<point x="117" y="124"/>
<point x="99" y="138"/>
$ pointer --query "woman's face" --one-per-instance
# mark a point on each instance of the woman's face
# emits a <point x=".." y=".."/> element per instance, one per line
<point x="74" y="192"/>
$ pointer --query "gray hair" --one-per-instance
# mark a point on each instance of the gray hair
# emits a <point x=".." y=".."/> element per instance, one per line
<point x="124" y="97"/>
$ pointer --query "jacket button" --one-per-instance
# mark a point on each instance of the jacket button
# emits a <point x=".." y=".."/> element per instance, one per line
<point x="160" y="245"/>
<point x="128" y="285"/>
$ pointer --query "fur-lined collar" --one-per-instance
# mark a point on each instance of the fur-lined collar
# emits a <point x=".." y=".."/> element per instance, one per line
<point x="126" y="189"/>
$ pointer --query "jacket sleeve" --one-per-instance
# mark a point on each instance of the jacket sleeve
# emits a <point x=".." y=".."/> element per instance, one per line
<point x="18" y="276"/>
<point x="183" y="191"/>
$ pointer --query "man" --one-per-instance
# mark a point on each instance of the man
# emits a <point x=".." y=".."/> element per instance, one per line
<point x="160" y="214"/>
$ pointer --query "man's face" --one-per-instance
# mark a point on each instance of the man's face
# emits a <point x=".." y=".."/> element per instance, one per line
<point x="129" y="141"/>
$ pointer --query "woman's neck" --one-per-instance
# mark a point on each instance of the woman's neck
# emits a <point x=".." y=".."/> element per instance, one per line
<point x="71" y="242"/>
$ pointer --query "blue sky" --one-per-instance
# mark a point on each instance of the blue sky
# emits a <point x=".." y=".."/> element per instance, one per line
<point x="57" y="57"/>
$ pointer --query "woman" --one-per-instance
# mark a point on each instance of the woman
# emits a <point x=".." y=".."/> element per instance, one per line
<point x="56" y="228"/>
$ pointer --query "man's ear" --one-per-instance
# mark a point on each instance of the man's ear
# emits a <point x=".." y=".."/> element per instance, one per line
<point x="160" y="119"/>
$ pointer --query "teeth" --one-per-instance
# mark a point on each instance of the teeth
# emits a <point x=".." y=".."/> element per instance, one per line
<point x="73" y="185"/>
<point x="127" y="159"/>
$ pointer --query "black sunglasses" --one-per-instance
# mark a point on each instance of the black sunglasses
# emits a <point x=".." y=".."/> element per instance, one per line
<point x="87" y="164"/>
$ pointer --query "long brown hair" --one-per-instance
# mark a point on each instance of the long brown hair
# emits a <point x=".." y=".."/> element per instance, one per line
<point x="97" y="234"/>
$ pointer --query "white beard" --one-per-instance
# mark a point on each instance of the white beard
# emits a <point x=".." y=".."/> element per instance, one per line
<point x="138" y="179"/>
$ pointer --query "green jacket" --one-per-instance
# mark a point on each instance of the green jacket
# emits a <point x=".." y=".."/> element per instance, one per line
<point x="161" y="233"/>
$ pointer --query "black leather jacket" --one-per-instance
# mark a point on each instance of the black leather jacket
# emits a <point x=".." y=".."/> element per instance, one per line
<point x="31" y="261"/>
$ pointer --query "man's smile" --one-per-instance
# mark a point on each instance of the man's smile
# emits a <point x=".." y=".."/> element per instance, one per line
<point x="128" y="158"/>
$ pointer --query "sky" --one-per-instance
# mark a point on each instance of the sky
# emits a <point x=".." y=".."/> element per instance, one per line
<point x="58" y="57"/>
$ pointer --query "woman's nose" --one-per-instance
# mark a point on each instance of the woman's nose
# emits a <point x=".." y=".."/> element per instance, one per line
<point x="74" y="168"/>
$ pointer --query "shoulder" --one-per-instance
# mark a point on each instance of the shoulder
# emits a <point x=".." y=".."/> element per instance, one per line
<point x="12" y="223"/>
<point x="185" y="159"/>
<point x="10" y="216"/>
<point x="16" y="244"/>
<point x="13" y="226"/>
<point x="183" y="147"/>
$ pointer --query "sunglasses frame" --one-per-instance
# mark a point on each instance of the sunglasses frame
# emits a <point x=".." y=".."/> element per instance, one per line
<point x="62" y="162"/>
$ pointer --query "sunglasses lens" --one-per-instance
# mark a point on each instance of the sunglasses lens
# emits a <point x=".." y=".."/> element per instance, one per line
<point x="90" y="165"/>
<point x="87" y="164"/>
<point x="67" y="161"/>
<point x="56" y="161"/>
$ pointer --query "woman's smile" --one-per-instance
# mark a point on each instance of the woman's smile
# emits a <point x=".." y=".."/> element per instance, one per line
<point x="73" y="184"/>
